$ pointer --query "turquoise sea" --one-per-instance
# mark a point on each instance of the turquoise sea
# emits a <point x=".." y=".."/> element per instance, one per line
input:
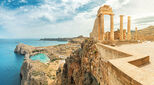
<point x="41" y="57"/>
<point x="10" y="62"/>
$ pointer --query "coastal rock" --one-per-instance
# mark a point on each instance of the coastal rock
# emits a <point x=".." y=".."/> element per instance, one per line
<point x="37" y="73"/>
<point x="23" y="49"/>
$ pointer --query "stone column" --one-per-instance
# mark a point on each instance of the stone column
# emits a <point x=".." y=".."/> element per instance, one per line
<point x="98" y="27"/>
<point x="136" y="33"/>
<point x="124" y="34"/>
<point x="128" y="29"/>
<point x="107" y="35"/>
<point x="121" y="28"/>
<point x="112" y="27"/>
<point x="102" y="27"/>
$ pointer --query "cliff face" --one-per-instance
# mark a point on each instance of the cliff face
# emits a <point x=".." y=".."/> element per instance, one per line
<point x="77" y="69"/>
<point x="35" y="73"/>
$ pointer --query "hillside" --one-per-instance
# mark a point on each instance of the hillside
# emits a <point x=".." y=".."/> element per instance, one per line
<point x="147" y="31"/>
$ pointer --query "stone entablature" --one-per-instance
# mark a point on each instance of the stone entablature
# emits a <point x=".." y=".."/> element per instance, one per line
<point x="106" y="10"/>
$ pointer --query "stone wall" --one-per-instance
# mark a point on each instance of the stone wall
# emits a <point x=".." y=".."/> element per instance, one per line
<point x="106" y="73"/>
<point x="107" y="52"/>
<point x="117" y="67"/>
<point x="94" y="33"/>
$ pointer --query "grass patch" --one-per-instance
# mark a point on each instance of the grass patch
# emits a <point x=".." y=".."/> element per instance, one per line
<point x="54" y="59"/>
<point x="36" y="73"/>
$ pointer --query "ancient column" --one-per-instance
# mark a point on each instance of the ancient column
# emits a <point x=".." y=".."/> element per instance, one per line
<point x="107" y="35"/>
<point x="112" y="27"/>
<point x="136" y="33"/>
<point x="98" y="28"/>
<point x="128" y="29"/>
<point x="124" y="34"/>
<point x="121" y="27"/>
<point x="102" y="27"/>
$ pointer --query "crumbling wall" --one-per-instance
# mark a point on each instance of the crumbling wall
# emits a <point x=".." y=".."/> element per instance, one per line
<point x="94" y="33"/>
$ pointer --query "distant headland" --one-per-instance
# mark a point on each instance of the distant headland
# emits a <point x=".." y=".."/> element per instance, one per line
<point x="60" y="39"/>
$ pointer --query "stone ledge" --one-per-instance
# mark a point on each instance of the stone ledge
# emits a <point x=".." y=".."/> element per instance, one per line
<point x="129" y="67"/>
<point x="140" y="62"/>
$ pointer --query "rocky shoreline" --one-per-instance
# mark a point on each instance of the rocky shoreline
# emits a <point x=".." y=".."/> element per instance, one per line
<point x="37" y="73"/>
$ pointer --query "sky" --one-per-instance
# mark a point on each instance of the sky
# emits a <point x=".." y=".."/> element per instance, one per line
<point x="67" y="18"/>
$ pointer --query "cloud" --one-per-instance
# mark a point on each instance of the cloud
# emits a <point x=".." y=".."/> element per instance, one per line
<point x="116" y="4"/>
<point x="50" y="19"/>
<point x="67" y="18"/>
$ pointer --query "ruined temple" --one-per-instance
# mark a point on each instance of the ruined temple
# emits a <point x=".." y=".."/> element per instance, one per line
<point x="98" y="32"/>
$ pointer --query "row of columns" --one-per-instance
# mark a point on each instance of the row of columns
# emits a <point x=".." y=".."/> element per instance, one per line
<point x="123" y="35"/>
<point x="101" y="33"/>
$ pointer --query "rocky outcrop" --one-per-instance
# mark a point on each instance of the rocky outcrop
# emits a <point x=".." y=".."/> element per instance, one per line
<point x="77" y="69"/>
<point x="37" y="73"/>
<point x="23" y="49"/>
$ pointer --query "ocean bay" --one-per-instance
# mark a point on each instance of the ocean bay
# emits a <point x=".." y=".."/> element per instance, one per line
<point x="10" y="62"/>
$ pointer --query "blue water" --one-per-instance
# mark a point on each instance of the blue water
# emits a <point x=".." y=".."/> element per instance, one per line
<point x="41" y="57"/>
<point x="10" y="63"/>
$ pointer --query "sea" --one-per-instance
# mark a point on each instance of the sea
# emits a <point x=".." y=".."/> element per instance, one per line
<point x="10" y="62"/>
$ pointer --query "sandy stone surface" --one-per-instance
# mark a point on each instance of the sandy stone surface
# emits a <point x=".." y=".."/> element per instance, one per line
<point x="141" y="48"/>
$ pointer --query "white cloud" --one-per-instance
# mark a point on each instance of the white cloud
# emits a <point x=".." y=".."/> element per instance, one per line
<point x="34" y="22"/>
<point x="37" y="22"/>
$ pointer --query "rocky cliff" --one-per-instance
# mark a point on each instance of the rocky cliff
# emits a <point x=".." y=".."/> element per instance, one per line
<point x="23" y="49"/>
<point x="37" y="73"/>
<point x="77" y="68"/>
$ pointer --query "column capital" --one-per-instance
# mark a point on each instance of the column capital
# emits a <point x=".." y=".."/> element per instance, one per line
<point x="128" y="16"/>
<point x="99" y="14"/>
<point x="121" y="15"/>
<point x="111" y="14"/>
<point x="135" y="27"/>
